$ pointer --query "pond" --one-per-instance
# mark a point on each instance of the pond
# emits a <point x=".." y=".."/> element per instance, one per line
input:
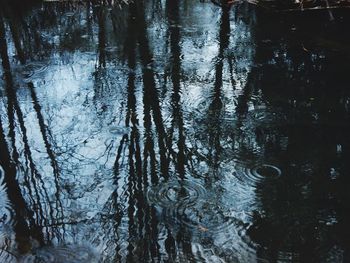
<point x="173" y="131"/>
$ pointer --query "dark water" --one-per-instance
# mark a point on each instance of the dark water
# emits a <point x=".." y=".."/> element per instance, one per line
<point x="173" y="131"/>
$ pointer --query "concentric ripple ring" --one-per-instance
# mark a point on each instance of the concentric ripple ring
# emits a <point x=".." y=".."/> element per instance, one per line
<point x="175" y="193"/>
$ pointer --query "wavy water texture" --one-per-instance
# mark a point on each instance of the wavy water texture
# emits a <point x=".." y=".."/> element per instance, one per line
<point x="173" y="131"/>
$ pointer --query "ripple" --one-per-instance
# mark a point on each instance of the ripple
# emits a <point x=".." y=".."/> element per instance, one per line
<point x="67" y="254"/>
<point x="7" y="257"/>
<point x="267" y="171"/>
<point x="257" y="173"/>
<point x="223" y="235"/>
<point x="33" y="69"/>
<point x="189" y="205"/>
<point x="176" y="193"/>
<point x="263" y="115"/>
<point x="204" y="217"/>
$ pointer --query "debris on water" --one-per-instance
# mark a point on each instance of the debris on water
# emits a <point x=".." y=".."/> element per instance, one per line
<point x="202" y="228"/>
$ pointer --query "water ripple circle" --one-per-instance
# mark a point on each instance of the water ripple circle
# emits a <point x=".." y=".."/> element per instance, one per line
<point x="175" y="193"/>
<point x="203" y="217"/>
<point x="253" y="174"/>
<point x="74" y="254"/>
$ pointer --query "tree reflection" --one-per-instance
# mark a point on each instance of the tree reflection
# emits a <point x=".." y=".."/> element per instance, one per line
<point x="23" y="231"/>
<point x="104" y="105"/>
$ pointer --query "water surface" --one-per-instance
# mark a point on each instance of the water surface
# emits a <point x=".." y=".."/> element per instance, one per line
<point x="173" y="131"/>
